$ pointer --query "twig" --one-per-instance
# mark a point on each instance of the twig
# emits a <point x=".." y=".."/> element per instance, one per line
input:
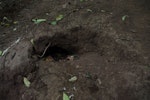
<point x="44" y="51"/>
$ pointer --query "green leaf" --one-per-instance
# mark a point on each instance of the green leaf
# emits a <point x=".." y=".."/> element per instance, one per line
<point x="37" y="21"/>
<point x="73" y="79"/>
<point x="15" y="22"/>
<point x="1" y="52"/>
<point x="26" y="82"/>
<point x="54" y="23"/>
<point x="124" y="17"/>
<point x="59" y="17"/>
<point x="65" y="96"/>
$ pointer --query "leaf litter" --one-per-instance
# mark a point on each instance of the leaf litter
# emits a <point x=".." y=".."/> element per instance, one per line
<point x="37" y="21"/>
<point x="65" y="96"/>
<point x="26" y="82"/>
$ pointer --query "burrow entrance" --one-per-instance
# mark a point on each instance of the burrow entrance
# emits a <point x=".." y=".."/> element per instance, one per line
<point x="58" y="52"/>
<point x="60" y="46"/>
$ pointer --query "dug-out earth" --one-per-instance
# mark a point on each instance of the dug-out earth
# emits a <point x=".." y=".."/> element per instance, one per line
<point x="87" y="49"/>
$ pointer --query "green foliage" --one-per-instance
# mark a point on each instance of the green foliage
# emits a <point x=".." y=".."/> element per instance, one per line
<point x="65" y="96"/>
<point x="59" y="17"/>
<point x="54" y="23"/>
<point x="37" y="21"/>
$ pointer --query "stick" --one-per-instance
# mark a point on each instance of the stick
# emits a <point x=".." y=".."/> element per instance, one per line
<point x="44" y="50"/>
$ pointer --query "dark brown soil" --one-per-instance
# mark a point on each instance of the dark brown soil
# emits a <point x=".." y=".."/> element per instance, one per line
<point x="109" y="56"/>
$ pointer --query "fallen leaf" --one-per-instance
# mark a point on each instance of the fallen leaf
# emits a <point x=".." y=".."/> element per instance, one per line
<point x="32" y="41"/>
<point x="26" y="82"/>
<point x="5" y="51"/>
<point x="54" y="23"/>
<point x="103" y="11"/>
<point x="6" y="19"/>
<point x="124" y="17"/>
<point x="37" y="21"/>
<point x="65" y="96"/>
<point x="17" y="41"/>
<point x="14" y="29"/>
<point x="59" y="17"/>
<point x="73" y="79"/>
<point x="89" y="10"/>
<point x="15" y="22"/>
<point x="71" y="96"/>
<point x="1" y="52"/>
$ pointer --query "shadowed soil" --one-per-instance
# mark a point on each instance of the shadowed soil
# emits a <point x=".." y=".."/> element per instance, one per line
<point x="109" y="55"/>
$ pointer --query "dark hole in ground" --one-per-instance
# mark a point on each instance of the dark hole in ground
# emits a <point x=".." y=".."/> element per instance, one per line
<point x="57" y="50"/>
<point x="59" y="53"/>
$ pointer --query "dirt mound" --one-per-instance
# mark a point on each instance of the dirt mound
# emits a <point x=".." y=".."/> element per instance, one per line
<point x="53" y="60"/>
<point x="93" y="53"/>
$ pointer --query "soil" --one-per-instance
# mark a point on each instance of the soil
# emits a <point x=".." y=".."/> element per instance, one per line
<point x="104" y="43"/>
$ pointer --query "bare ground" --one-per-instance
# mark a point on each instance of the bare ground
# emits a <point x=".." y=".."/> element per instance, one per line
<point x="110" y="57"/>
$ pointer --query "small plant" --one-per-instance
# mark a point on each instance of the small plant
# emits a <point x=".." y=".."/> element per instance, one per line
<point x="58" y="18"/>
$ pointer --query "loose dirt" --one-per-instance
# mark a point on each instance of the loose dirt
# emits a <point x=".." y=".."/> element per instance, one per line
<point x="109" y="56"/>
